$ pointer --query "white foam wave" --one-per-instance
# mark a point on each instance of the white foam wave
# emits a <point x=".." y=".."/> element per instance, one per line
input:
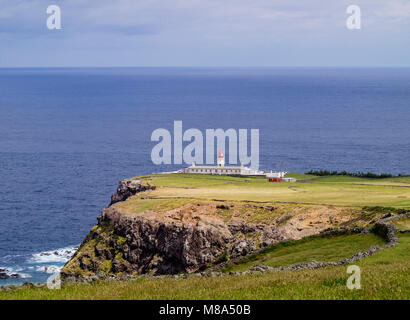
<point x="57" y="256"/>
<point x="12" y="272"/>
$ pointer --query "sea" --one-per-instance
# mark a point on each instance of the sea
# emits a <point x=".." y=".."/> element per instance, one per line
<point x="68" y="135"/>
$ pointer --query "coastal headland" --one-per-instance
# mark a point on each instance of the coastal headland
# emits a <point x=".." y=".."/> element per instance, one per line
<point x="182" y="229"/>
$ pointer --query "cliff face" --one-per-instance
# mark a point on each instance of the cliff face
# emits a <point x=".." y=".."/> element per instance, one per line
<point x="127" y="244"/>
<point x="186" y="236"/>
<point x="179" y="240"/>
<point x="129" y="188"/>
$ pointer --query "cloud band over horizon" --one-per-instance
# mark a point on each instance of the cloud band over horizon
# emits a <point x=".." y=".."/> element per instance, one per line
<point x="204" y="33"/>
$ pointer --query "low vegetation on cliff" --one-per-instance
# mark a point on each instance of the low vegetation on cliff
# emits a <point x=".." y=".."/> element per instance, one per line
<point x="170" y="225"/>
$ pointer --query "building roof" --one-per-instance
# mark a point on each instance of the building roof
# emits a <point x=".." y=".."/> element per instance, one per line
<point x="217" y="167"/>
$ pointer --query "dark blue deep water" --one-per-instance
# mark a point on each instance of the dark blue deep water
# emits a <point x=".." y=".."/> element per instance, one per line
<point x="68" y="135"/>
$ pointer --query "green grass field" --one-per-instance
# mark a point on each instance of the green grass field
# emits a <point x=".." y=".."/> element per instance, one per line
<point x="338" y="192"/>
<point x="385" y="275"/>
<point x="320" y="249"/>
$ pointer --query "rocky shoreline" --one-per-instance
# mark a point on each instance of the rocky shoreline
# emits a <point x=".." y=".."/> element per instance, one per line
<point x="5" y="274"/>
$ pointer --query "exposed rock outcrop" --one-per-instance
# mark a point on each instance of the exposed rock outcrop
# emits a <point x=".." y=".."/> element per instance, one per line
<point x="158" y="244"/>
<point x="5" y="274"/>
<point x="128" y="188"/>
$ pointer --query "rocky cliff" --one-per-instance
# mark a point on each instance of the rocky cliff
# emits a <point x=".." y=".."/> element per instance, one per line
<point x="150" y="244"/>
<point x="183" y="238"/>
<point x="129" y="188"/>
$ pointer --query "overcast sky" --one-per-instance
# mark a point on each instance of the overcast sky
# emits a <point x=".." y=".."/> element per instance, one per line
<point x="204" y="33"/>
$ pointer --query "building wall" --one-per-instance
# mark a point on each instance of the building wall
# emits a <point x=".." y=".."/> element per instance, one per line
<point x="212" y="170"/>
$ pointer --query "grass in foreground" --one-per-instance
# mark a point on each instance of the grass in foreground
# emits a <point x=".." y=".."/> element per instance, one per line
<point x="385" y="275"/>
<point x="317" y="248"/>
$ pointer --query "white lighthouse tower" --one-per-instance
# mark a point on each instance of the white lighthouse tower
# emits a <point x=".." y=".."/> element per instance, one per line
<point x="221" y="159"/>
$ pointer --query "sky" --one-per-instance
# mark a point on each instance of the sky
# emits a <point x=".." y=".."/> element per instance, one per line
<point x="247" y="33"/>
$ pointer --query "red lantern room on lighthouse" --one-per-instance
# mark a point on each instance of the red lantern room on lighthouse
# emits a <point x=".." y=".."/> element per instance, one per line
<point x="221" y="159"/>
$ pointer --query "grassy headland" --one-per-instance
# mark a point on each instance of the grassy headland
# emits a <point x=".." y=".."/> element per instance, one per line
<point x="348" y="201"/>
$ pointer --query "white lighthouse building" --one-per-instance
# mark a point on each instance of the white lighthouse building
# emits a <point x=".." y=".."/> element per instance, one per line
<point x="221" y="159"/>
<point x="221" y="169"/>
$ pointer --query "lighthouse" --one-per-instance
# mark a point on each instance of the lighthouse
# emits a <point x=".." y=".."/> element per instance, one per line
<point x="221" y="159"/>
<point x="221" y="169"/>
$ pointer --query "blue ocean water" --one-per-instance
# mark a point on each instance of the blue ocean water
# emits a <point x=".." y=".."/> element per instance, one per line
<point x="67" y="136"/>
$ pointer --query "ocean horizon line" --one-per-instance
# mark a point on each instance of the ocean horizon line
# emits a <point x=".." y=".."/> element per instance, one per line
<point x="205" y="67"/>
